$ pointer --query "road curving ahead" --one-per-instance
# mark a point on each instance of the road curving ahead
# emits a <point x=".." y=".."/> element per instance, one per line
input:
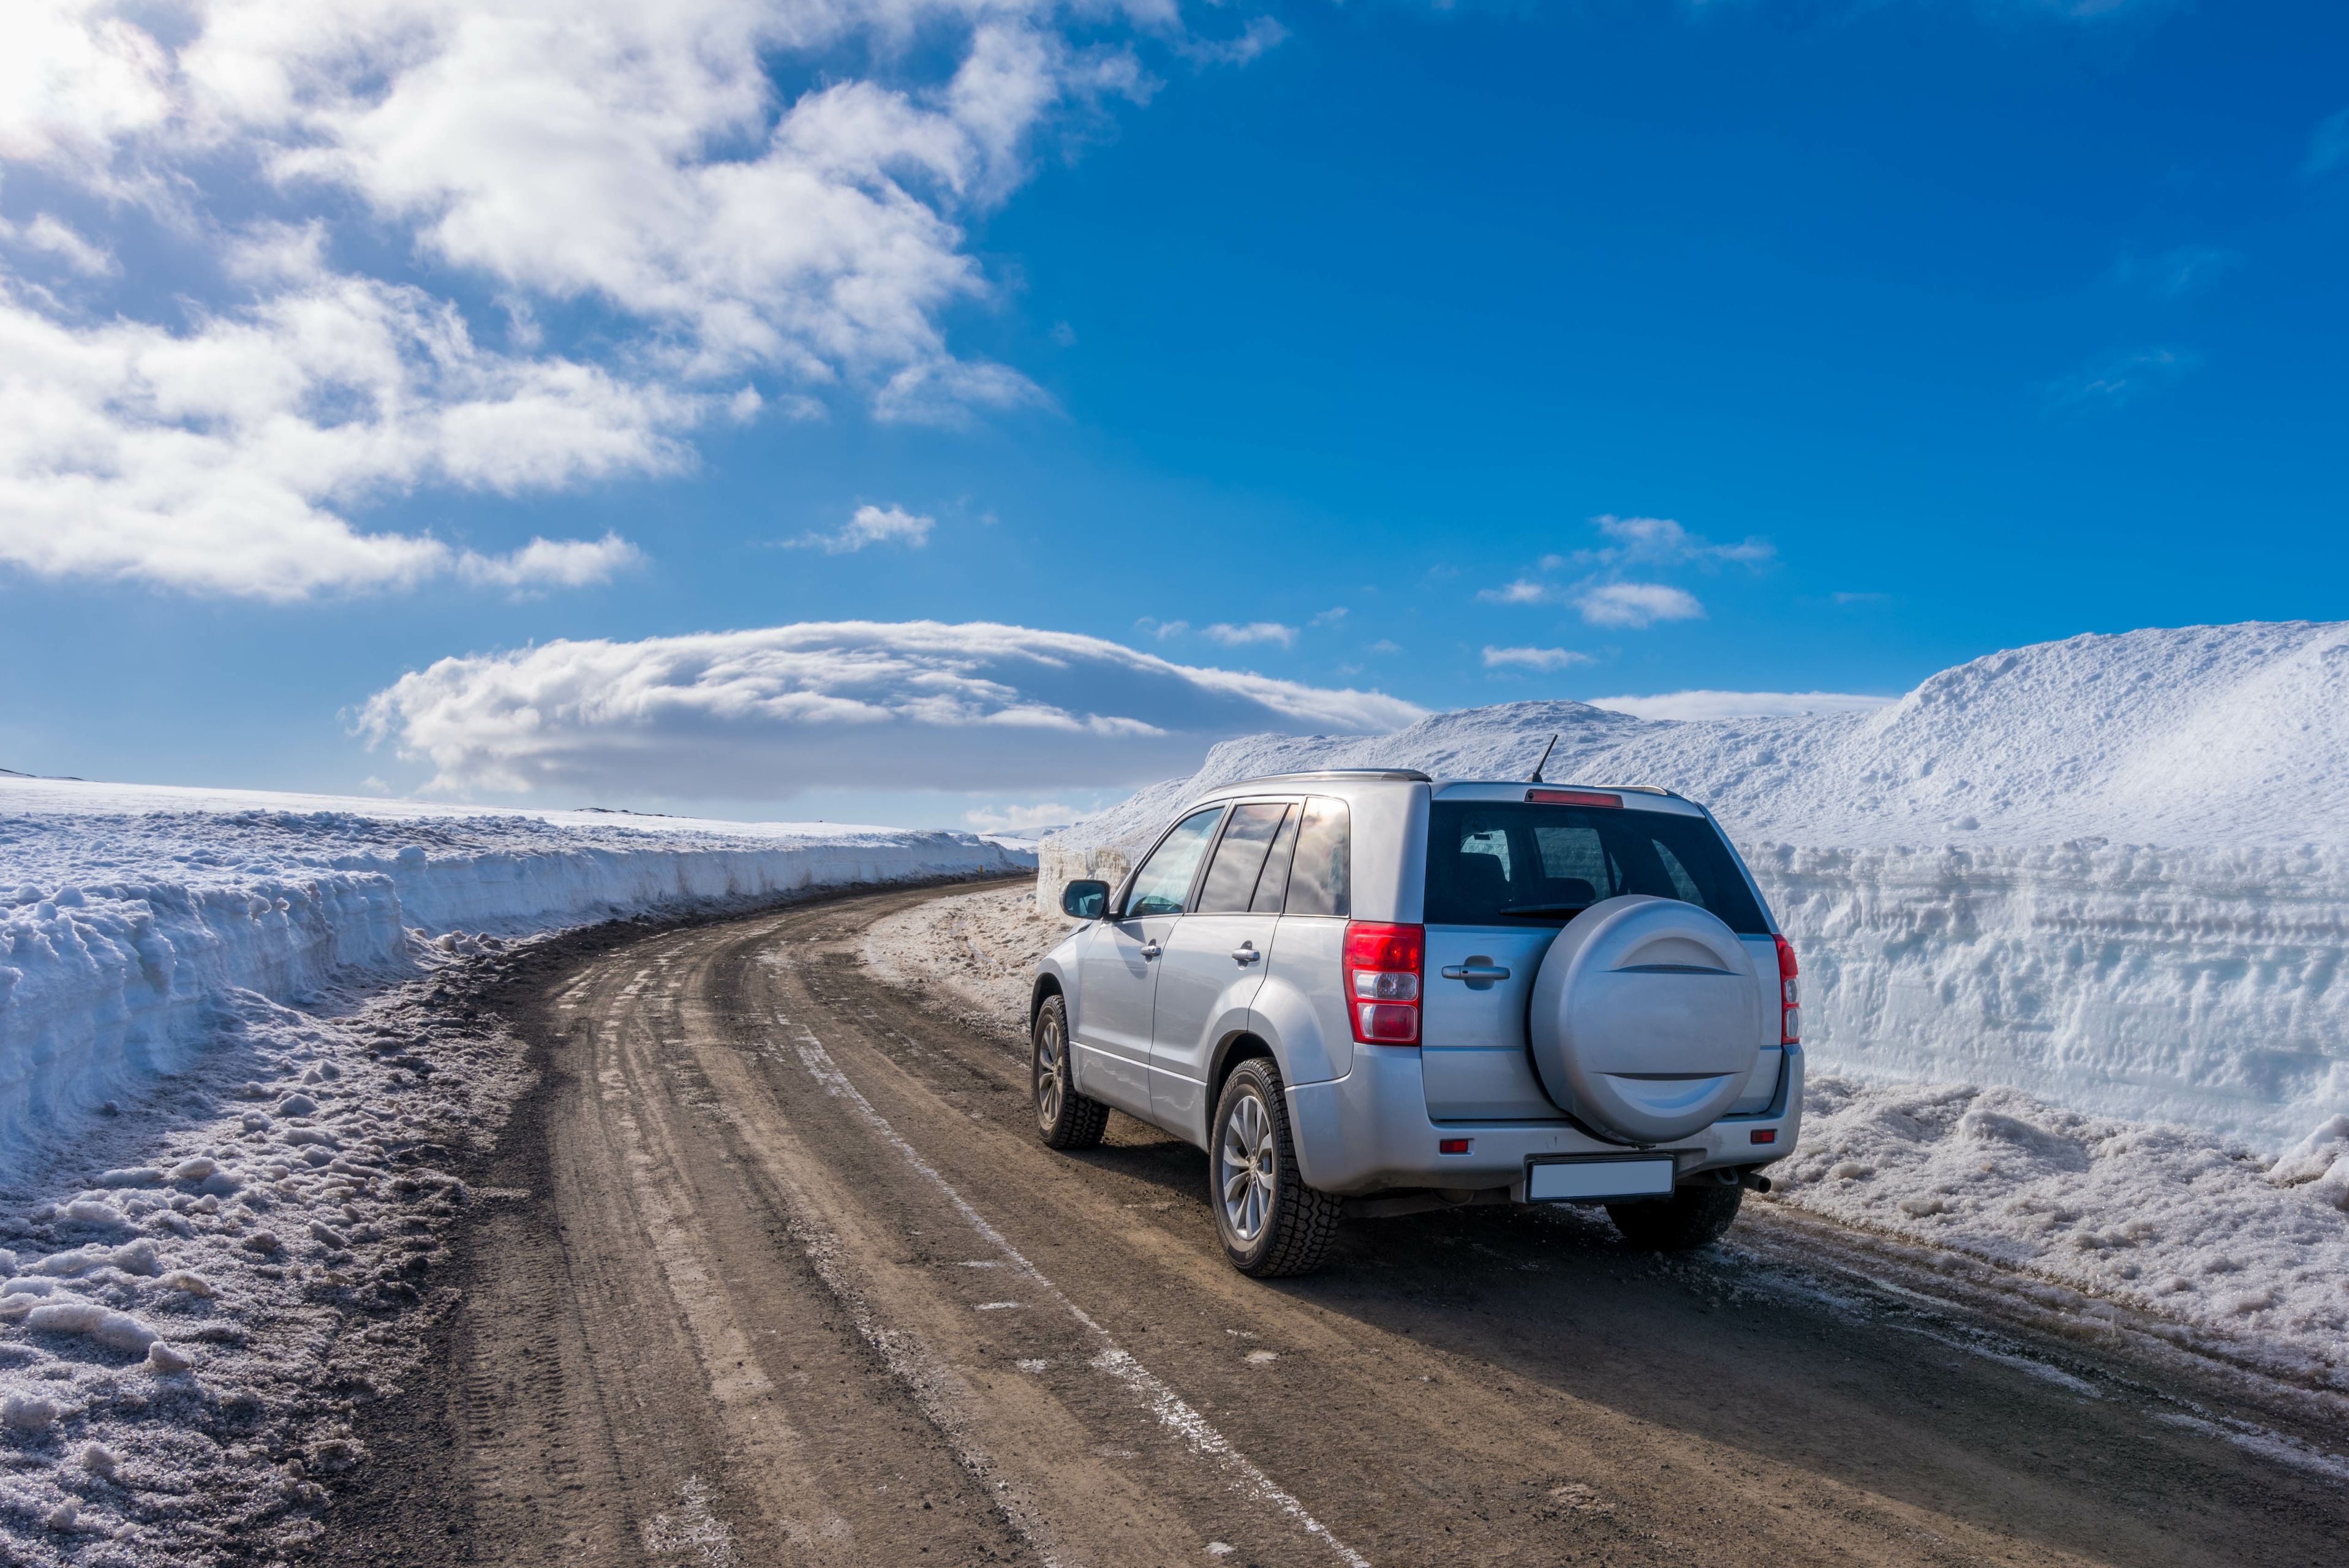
<point x="781" y="1275"/>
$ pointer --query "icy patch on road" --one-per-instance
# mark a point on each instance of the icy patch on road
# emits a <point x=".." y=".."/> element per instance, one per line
<point x="192" y="1320"/>
<point x="132" y="917"/>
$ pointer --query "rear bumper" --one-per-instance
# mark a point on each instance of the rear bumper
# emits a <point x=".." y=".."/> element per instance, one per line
<point x="1370" y="1131"/>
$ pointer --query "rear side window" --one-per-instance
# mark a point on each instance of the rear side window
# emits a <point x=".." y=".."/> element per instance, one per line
<point x="1509" y="864"/>
<point x="1272" y="888"/>
<point x="1165" y="880"/>
<point x="1320" y="879"/>
<point x="1240" y="857"/>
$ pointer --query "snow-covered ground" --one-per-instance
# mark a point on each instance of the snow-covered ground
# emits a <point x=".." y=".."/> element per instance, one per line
<point x="2112" y="871"/>
<point x="194" y="1310"/>
<point x="130" y="915"/>
<point x="2160" y="1229"/>
<point x="232" y="1076"/>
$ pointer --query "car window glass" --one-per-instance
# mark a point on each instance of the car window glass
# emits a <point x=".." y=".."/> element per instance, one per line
<point x="1319" y="881"/>
<point x="1239" y="858"/>
<point x="1506" y="864"/>
<point x="1683" y="885"/>
<point x="1571" y="850"/>
<point x="1165" y="880"/>
<point x="1272" y="887"/>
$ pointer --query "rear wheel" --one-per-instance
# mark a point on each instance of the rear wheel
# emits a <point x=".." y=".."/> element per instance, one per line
<point x="1691" y="1217"/>
<point x="1065" y="1119"/>
<point x="1270" y="1223"/>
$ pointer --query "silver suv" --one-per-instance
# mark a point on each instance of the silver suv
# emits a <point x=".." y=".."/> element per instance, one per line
<point x="1374" y="991"/>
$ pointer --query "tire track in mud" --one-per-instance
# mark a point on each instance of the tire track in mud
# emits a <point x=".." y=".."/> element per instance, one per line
<point x="795" y="1284"/>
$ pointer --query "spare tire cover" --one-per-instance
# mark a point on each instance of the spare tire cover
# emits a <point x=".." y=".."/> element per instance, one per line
<point x="1647" y="1018"/>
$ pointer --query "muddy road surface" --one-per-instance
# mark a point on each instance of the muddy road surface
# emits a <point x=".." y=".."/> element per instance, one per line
<point x="771" y="1269"/>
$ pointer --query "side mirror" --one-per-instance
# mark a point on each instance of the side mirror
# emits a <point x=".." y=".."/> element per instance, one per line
<point x="1085" y="898"/>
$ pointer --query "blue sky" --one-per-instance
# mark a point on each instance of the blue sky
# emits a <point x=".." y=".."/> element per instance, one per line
<point x="1933" y="327"/>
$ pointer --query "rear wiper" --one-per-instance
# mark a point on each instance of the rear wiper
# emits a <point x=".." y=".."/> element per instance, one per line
<point x="1541" y="909"/>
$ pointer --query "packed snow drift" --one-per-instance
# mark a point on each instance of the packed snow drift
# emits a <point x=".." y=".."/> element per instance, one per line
<point x="2111" y="872"/>
<point x="131" y="916"/>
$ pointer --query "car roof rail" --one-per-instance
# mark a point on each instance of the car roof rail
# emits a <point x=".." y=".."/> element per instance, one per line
<point x="1401" y="775"/>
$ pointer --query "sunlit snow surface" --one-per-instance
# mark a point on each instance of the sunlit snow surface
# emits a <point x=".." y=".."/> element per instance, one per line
<point x="130" y="915"/>
<point x="2113" y="871"/>
<point x="228" y="1099"/>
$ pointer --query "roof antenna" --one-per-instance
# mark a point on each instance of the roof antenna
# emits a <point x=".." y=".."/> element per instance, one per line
<point x="1545" y="760"/>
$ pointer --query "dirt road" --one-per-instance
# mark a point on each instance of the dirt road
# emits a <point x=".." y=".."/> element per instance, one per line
<point x="772" y="1270"/>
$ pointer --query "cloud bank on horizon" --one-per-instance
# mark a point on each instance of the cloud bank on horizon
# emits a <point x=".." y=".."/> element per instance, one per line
<point x="763" y="714"/>
<point x="353" y="224"/>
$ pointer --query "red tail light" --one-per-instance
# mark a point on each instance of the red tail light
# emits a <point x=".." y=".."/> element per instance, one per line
<point x="1383" y="969"/>
<point x="1790" y="1001"/>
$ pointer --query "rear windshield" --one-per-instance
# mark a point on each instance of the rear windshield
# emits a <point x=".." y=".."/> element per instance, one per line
<point x="1508" y="863"/>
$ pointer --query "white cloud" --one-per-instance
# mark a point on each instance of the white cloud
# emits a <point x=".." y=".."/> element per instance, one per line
<point x="714" y="241"/>
<point x="2118" y="381"/>
<point x="1687" y="704"/>
<point x="1637" y="605"/>
<point x="214" y="459"/>
<point x="1524" y="590"/>
<point x="551" y="563"/>
<point x="1658" y="542"/>
<point x="1261" y="33"/>
<point x="760" y="714"/>
<point x="1329" y="617"/>
<point x="1533" y="658"/>
<point x="50" y="235"/>
<point x="1022" y="818"/>
<point x="1635" y="541"/>
<point x="1233" y="637"/>
<point x="875" y="525"/>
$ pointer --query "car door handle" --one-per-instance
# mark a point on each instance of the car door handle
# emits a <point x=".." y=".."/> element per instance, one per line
<point x="1151" y="949"/>
<point x="1245" y="954"/>
<point x="1474" y="972"/>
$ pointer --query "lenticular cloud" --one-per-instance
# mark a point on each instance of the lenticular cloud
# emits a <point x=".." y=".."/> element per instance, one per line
<point x="759" y="713"/>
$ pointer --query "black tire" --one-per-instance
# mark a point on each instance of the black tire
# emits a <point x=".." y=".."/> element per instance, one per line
<point x="1064" y="1118"/>
<point x="1252" y="1174"/>
<point x="1691" y="1217"/>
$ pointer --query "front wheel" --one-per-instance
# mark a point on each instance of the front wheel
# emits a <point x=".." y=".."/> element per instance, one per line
<point x="1270" y="1223"/>
<point x="1692" y="1217"/>
<point x="1064" y="1118"/>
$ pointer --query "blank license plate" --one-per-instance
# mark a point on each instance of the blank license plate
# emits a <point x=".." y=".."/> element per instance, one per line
<point x="1570" y="1180"/>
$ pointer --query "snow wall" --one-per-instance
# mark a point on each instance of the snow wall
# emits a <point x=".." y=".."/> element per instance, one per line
<point x="126" y="916"/>
<point x="2112" y="871"/>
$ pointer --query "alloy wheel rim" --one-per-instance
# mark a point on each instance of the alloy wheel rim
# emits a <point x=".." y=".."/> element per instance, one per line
<point x="1246" y="1166"/>
<point x="1048" y="1073"/>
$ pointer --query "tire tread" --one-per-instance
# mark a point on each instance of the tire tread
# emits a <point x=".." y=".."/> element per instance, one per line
<point x="1083" y="1120"/>
<point x="1305" y="1221"/>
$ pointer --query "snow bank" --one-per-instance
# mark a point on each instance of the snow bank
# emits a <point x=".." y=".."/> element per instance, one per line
<point x="2112" y="871"/>
<point x="195" y="1299"/>
<point x="2212" y="1247"/>
<point x="128" y="915"/>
